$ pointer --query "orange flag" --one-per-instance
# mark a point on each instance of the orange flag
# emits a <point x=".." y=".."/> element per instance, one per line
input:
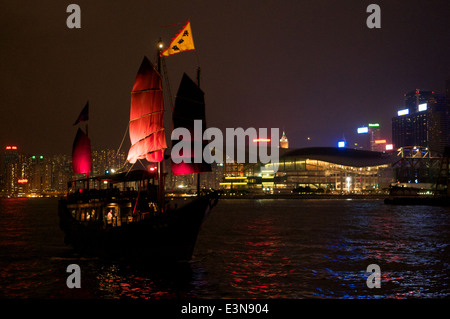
<point x="183" y="41"/>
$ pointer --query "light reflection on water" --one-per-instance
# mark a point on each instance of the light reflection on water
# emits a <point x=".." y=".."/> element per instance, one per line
<point x="321" y="249"/>
<point x="246" y="249"/>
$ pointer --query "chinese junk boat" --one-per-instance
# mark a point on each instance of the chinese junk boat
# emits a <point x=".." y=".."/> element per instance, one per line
<point x="125" y="215"/>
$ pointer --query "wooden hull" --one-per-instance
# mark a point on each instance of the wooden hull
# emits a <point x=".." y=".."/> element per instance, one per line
<point x="167" y="236"/>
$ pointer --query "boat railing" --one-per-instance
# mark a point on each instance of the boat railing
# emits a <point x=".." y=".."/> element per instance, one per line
<point x="85" y="195"/>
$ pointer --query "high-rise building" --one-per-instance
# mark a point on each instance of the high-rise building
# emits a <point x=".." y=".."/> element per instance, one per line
<point x="438" y="123"/>
<point x="22" y="174"/>
<point x="106" y="160"/>
<point x="40" y="174"/>
<point x="363" y="138"/>
<point x="416" y="97"/>
<point x="61" y="172"/>
<point x="10" y="169"/>
<point x="284" y="143"/>
<point x="424" y="121"/>
<point x="375" y="136"/>
<point x="13" y="171"/>
<point x="401" y="131"/>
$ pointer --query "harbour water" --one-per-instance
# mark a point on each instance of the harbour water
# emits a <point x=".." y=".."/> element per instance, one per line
<point x="247" y="248"/>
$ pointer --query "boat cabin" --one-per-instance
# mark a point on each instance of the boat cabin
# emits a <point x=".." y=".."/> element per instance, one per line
<point x="113" y="200"/>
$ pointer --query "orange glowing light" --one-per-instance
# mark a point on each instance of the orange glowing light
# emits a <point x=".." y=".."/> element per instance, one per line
<point x="22" y="181"/>
<point x="257" y="140"/>
<point x="11" y="147"/>
<point x="380" y="141"/>
<point x="8" y="147"/>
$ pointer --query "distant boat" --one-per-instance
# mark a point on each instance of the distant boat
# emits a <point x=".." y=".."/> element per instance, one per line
<point x="436" y="194"/>
<point x="125" y="215"/>
<point x="414" y="196"/>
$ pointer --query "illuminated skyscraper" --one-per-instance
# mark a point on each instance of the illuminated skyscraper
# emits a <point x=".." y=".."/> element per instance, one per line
<point x="106" y="160"/>
<point x="284" y="143"/>
<point x="40" y="174"/>
<point x="375" y="135"/>
<point x="423" y="122"/>
<point x="402" y="130"/>
<point x="11" y="169"/>
<point x="362" y="138"/>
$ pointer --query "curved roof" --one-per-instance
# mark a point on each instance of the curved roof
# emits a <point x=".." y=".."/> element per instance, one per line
<point x="341" y="156"/>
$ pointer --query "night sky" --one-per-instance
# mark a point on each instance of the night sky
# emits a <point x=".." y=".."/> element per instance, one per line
<point x="312" y="68"/>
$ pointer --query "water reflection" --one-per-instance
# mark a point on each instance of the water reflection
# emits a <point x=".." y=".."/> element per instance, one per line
<point x="257" y="267"/>
<point x="395" y="241"/>
<point x="246" y="249"/>
<point x="145" y="280"/>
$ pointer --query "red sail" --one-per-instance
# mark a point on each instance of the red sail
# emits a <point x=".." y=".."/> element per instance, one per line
<point x="147" y="135"/>
<point x="81" y="154"/>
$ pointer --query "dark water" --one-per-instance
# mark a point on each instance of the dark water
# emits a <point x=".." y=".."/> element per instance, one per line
<point x="246" y="249"/>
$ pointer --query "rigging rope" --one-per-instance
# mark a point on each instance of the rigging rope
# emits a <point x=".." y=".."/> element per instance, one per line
<point x="118" y="150"/>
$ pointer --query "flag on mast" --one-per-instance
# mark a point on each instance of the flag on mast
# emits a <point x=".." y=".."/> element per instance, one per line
<point x="183" y="41"/>
<point x="84" y="115"/>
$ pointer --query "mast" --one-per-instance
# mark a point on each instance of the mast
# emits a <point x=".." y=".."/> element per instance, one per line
<point x="161" y="179"/>
<point x="198" y="174"/>
<point x="87" y="173"/>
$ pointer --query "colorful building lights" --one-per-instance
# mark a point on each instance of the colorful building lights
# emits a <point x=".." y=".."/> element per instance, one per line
<point x="341" y="144"/>
<point x="422" y="107"/>
<point x="363" y="130"/>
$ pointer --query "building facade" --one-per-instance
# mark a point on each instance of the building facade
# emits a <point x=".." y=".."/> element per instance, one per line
<point x="284" y="143"/>
<point x="38" y="175"/>
<point x="423" y="122"/>
<point x="319" y="169"/>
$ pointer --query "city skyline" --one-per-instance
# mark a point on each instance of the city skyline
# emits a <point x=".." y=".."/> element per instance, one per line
<point x="327" y="175"/>
<point x="311" y="69"/>
<point x="378" y="136"/>
<point x="24" y="173"/>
